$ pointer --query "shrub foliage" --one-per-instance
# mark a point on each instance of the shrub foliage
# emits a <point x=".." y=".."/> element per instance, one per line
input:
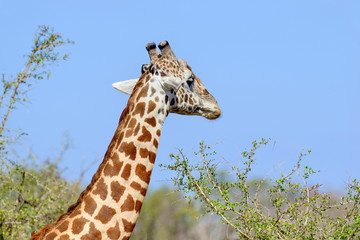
<point x="287" y="207"/>
<point x="31" y="195"/>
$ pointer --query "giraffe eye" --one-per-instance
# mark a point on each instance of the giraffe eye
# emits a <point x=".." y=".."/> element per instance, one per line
<point x="189" y="82"/>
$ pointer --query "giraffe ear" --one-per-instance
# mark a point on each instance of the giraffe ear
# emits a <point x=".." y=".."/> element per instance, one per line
<point x="125" y="86"/>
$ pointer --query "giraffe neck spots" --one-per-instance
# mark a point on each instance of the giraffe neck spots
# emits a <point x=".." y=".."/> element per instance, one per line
<point x="109" y="207"/>
<point x="101" y="189"/>
<point x="105" y="214"/>
<point x="78" y="225"/>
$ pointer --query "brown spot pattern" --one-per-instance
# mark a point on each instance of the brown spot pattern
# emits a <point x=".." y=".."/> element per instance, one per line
<point x="105" y="214"/>
<point x="153" y="91"/>
<point x="139" y="109"/>
<point x="129" y="133"/>
<point x="93" y="234"/>
<point x="143" y="92"/>
<point x="113" y="170"/>
<point x="116" y="190"/>
<point x="101" y="189"/>
<point x="114" y="232"/>
<point x="120" y="139"/>
<point x="64" y="237"/>
<point x="132" y="123"/>
<point x="156" y="143"/>
<point x="129" y="204"/>
<point x="129" y="149"/>
<point x="152" y="157"/>
<point x="144" y="153"/>
<point x="141" y="172"/>
<point x="63" y="226"/>
<point x="51" y="236"/>
<point x="75" y="213"/>
<point x="151" y="121"/>
<point x="90" y="205"/>
<point x="158" y="132"/>
<point x="126" y="121"/>
<point x="146" y="135"/>
<point x="137" y="129"/>
<point x="138" y="205"/>
<point x="126" y="172"/>
<point x="151" y="107"/>
<point x="138" y="187"/>
<point x="78" y="225"/>
<point x="115" y="157"/>
<point x="128" y="226"/>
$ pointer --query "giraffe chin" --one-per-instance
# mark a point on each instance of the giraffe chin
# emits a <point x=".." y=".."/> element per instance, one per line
<point x="211" y="115"/>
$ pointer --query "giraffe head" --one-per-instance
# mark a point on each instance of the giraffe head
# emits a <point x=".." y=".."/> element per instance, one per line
<point x="184" y="92"/>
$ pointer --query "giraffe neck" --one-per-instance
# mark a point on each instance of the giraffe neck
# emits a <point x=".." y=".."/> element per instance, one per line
<point x="109" y="207"/>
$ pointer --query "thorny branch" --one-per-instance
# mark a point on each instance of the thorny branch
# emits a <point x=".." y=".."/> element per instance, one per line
<point x="205" y="197"/>
<point x="42" y="54"/>
<point x="293" y="210"/>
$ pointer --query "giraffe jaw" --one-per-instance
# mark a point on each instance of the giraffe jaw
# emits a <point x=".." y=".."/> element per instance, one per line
<point x="211" y="114"/>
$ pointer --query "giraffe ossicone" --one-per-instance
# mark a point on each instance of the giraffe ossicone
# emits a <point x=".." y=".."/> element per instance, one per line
<point x="109" y="206"/>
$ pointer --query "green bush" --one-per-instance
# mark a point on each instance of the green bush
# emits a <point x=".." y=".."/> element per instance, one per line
<point x="278" y="208"/>
<point x="31" y="196"/>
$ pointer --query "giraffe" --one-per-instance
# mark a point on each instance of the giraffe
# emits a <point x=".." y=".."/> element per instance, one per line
<point x="109" y="206"/>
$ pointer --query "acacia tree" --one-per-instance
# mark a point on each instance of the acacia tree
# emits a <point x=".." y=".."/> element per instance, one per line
<point x="31" y="195"/>
<point x="286" y="207"/>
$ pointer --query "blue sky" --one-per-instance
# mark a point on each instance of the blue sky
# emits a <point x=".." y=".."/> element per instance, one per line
<point x="286" y="70"/>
